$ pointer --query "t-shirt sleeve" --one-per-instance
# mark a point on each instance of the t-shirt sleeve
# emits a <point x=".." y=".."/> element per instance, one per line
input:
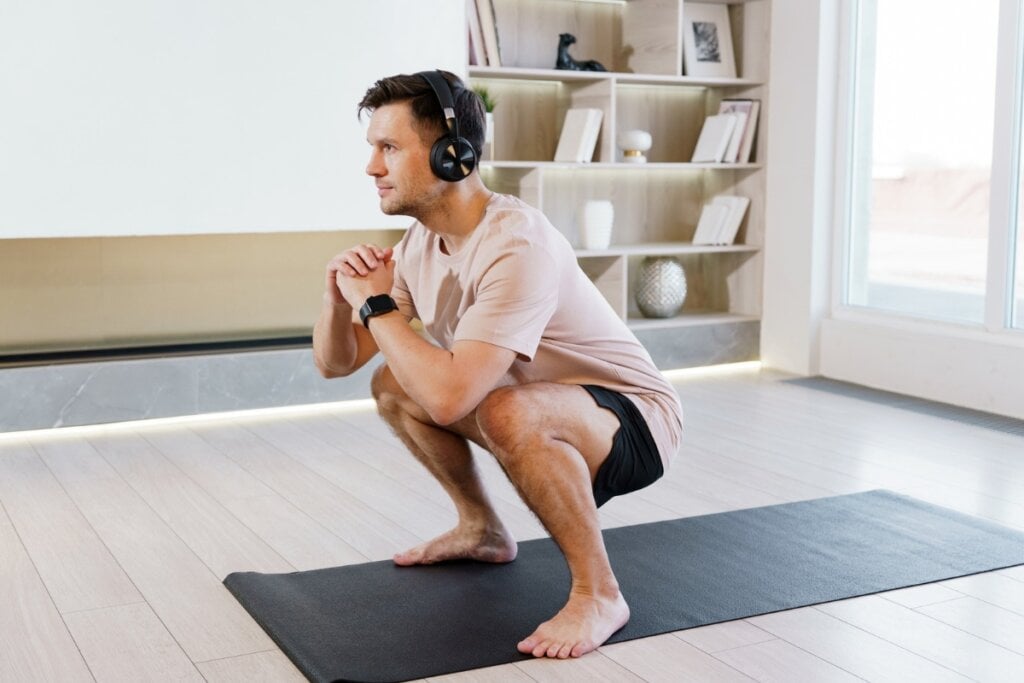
<point x="515" y="299"/>
<point x="400" y="289"/>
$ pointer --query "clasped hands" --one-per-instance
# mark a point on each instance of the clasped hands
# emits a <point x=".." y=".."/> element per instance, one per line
<point x="358" y="273"/>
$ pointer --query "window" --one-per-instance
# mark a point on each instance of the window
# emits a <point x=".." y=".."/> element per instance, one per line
<point x="922" y="140"/>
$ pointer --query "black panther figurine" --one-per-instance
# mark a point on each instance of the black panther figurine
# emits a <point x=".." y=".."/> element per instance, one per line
<point x="565" y="60"/>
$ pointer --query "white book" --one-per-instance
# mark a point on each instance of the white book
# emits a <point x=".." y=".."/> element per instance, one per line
<point x="736" y="208"/>
<point x="712" y="216"/>
<point x="749" y="128"/>
<point x="714" y="138"/>
<point x="579" y="135"/>
<point x="489" y="29"/>
<point x="733" y="150"/>
<point x="749" y="132"/>
<point x="476" y="39"/>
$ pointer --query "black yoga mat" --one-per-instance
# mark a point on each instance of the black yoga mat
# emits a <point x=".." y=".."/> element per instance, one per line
<point x="379" y="622"/>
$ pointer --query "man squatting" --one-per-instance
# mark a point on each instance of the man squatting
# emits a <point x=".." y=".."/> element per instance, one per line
<point x="530" y="362"/>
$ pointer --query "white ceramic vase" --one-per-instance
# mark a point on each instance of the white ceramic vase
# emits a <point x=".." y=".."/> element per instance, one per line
<point x="660" y="287"/>
<point x="597" y="216"/>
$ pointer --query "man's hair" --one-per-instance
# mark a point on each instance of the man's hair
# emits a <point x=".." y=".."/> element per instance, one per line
<point x="426" y="110"/>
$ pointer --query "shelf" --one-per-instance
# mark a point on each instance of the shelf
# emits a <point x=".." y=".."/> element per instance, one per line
<point x="611" y="165"/>
<point x="517" y="73"/>
<point x="665" y="249"/>
<point x="694" y="319"/>
<point x="658" y="203"/>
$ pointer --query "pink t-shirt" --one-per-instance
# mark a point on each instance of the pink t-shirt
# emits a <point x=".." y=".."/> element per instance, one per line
<point x="515" y="283"/>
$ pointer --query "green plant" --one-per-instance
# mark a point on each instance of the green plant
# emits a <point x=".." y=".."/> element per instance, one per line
<point x="485" y="96"/>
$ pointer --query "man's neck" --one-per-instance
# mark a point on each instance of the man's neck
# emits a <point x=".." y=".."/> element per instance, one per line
<point x="459" y="213"/>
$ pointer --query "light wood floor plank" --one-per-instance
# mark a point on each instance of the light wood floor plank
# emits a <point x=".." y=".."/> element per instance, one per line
<point x="935" y="448"/>
<point x="595" y="668"/>
<point x="190" y="600"/>
<point x="828" y="417"/>
<point x="919" y="596"/>
<point x="632" y="509"/>
<point x="982" y="619"/>
<point x="402" y="505"/>
<point x="34" y="642"/>
<point x="778" y="660"/>
<point x="220" y="476"/>
<point x="666" y="659"/>
<point x="297" y="538"/>
<point x="361" y="527"/>
<point x="212" y="532"/>
<point x="77" y="568"/>
<point x="260" y="667"/>
<point x="128" y="643"/>
<point x="852" y="649"/>
<point x="876" y="467"/>
<point x="943" y="644"/>
<point x="505" y="673"/>
<point x="724" y="636"/>
<point x="992" y="587"/>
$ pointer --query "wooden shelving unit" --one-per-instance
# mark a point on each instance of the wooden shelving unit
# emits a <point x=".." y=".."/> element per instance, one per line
<point x="657" y="204"/>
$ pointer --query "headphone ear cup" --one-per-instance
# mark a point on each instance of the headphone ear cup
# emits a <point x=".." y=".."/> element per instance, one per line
<point x="452" y="167"/>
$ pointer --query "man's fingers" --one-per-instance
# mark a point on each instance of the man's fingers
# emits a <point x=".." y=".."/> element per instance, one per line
<point x="360" y="260"/>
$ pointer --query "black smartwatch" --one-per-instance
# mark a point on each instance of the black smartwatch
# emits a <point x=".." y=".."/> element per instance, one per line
<point x="376" y="305"/>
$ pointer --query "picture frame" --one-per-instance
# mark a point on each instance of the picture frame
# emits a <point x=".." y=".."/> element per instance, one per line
<point x="707" y="41"/>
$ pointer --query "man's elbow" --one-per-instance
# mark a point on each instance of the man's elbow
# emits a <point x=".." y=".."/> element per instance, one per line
<point x="447" y="410"/>
<point x="329" y="372"/>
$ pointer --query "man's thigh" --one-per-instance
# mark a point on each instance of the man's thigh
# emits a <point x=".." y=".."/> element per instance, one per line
<point x="563" y="412"/>
<point x="566" y="412"/>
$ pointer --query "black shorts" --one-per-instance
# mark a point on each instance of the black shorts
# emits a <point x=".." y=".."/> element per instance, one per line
<point x="634" y="461"/>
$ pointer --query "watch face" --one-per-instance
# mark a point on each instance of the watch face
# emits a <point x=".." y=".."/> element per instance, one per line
<point x="382" y="303"/>
<point x="376" y="305"/>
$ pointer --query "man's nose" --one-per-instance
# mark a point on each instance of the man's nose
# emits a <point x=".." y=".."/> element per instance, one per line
<point x="375" y="166"/>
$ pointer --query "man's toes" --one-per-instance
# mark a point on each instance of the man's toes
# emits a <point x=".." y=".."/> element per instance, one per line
<point x="565" y="651"/>
<point x="580" y="649"/>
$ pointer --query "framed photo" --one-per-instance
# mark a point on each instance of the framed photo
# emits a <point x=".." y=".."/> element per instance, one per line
<point x="707" y="41"/>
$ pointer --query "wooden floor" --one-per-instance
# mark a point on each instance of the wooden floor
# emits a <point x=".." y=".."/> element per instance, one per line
<point x="113" y="543"/>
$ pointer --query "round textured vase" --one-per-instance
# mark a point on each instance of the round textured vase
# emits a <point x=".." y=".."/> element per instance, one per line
<point x="661" y="287"/>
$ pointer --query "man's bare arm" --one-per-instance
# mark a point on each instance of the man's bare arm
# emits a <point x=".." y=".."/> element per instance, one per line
<point x="447" y="384"/>
<point x="341" y="345"/>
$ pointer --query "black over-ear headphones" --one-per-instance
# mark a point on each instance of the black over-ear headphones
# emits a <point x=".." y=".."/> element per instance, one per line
<point x="452" y="157"/>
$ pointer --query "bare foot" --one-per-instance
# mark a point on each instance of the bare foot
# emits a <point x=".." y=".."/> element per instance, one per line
<point x="463" y="543"/>
<point x="582" y="625"/>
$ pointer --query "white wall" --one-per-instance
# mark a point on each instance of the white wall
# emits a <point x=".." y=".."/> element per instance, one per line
<point x="799" y="196"/>
<point x="140" y="117"/>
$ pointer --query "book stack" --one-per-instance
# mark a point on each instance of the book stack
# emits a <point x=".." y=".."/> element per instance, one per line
<point x="720" y="220"/>
<point x="579" y="135"/>
<point x="728" y="136"/>
<point x="484" y="49"/>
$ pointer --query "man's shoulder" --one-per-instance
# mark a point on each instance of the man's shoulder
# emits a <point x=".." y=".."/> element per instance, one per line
<point x="513" y="223"/>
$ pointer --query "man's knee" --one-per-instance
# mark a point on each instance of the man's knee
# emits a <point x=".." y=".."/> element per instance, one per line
<point x="386" y="390"/>
<point x="505" y="418"/>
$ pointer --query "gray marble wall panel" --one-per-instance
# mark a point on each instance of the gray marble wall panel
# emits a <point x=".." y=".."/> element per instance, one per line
<point x="115" y="391"/>
<point x="690" y="347"/>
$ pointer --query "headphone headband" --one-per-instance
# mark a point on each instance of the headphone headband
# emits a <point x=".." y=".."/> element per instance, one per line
<point x="443" y="91"/>
<point x="452" y="157"/>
